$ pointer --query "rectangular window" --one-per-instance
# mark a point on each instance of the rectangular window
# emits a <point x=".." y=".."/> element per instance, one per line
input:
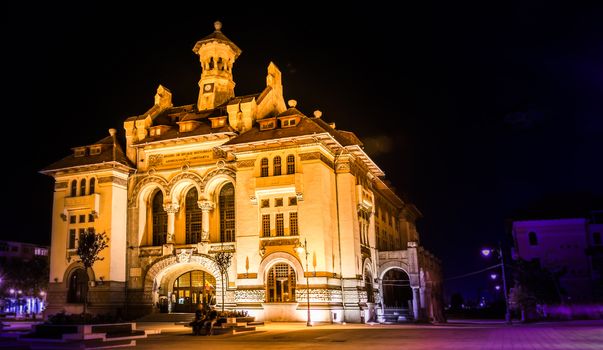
<point x="280" y="225"/>
<point x="266" y="225"/>
<point x="82" y="218"/>
<point x="72" y="238"/>
<point x="278" y="202"/>
<point x="90" y="217"/>
<point x="292" y="201"/>
<point x="72" y="219"/>
<point x="293" y="229"/>
<point x="265" y="203"/>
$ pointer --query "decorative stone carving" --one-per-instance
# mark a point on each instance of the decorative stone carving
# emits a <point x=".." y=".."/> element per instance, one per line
<point x="309" y="156"/>
<point x="171" y="208"/>
<point x="133" y="198"/>
<point x="300" y="196"/>
<point x="184" y="175"/>
<point x="250" y="295"/>
<point x="246" y="163"/>
<point x="206" y="205"/>
<point x="185" y="255"/>
<point x="113" y="179"/>
<point x="155" y="159"/>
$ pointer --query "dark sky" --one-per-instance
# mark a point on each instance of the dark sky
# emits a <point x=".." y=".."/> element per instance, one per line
<point x="477" y="112"/>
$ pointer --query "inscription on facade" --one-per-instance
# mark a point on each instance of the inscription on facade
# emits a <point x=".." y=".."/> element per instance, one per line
<point x="175" y="160"/>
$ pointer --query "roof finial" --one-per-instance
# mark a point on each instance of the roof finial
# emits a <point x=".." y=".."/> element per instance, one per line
<point x="317" y="114"/>
<point x="218" y="25"/>
<point x="292" y="103"/>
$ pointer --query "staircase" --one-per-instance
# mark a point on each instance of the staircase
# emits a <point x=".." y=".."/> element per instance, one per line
<point x="397" y="315"/>
<point x="168" y="317"/>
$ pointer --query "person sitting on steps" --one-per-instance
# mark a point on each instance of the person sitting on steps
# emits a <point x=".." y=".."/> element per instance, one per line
<point x="198" y="322"/>
<point x="211" y="319"/>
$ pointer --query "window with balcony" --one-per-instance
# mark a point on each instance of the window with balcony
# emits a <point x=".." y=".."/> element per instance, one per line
<point x="277" y="166"/>
<point x="227" y="213"/>
<point x="193" y="217"/>
<point x="159" y="220"/>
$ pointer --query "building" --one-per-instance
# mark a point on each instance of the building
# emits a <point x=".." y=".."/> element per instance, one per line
<point x="247" y="175"/>
<point x="571" y="247"/>
<point x="23" y="294"/>
<point x="21" y="251"/>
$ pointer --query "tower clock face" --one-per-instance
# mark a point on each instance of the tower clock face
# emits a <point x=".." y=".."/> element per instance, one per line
<point x="208" y="87"/>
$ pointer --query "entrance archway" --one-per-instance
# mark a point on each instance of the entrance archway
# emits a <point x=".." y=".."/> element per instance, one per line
<point x="192" y="289"/>
<point x="397" y="293"/>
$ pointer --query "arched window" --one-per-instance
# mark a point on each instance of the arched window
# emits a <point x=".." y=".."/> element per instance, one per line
<point x="193" y="217"/>
<point x="159" y="220"/>
<point x="264" y="167"/>
<point x="277" y="166"/>
<point x="92" y="185"/>
<point x="227" y="213"/>
<point x="368" y="284"/>
<point x="281" y="284"/>
<point x="73" y="188"/>
<point x="291" y="164"/>
<point x="78" y="286"/>
<point x="533" y="238"/>
<point x="83" y="187"/>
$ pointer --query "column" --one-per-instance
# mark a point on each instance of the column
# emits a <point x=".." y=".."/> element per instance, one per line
<point x="171" y="209"/>
<point x="416" y="302"/>
<point x="206" y="207"/>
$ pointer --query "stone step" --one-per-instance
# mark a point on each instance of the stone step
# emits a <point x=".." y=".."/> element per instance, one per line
<point x="165" y="317"/>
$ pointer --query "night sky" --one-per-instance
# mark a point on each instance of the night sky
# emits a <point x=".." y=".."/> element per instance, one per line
<point x="478" y="113"/>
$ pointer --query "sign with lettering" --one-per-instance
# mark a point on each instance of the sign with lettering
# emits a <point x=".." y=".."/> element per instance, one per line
<point x="176" y="160"/>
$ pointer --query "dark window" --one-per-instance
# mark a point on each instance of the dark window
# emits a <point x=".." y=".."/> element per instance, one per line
<point x="159" y="220"/>
<point x="292" y="201"/>
<point x="265" y="203"/>
<point x="264" y="167"/>
<point x="72" y="238"/>
<point x="193" y="217"/>
<point x="90" y="217"/>
<point x="227" y="213"/>
<point x="92" y="185"/>
<point x="83" y="187"/>
<point x="280" y="225"/>
<point x="72" y="219"/>
<point x="277" y="166"/>
<point x="597" y="238"/>
<point x="266" y="225"/>
<point x="368" y="284"/>
<point x="82" y="218"/>
<point x="73" y="188"/>
<point x="281" y="284"/>
<point x="278" y="202"/>
<point x="78" y="286"/>
<point x="293" y="229"/>
<point x="533" y="238"/>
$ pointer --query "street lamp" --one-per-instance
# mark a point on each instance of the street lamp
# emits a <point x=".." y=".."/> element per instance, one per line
<point x="487" y="252"/>
<point x="301" y="249"/>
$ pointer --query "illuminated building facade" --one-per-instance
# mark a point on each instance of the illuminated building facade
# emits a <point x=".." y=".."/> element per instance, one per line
<point x="251" y="176"/>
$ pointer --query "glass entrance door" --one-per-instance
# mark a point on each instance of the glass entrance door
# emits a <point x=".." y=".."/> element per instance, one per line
<point x="193" y="289"/>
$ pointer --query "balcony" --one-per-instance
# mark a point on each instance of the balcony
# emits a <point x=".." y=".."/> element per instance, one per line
<point x="89" y="202"/>
<point x="278" y="184"/>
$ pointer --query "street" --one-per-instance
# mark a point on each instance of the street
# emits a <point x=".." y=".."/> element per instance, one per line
<point x="558" y="335"/>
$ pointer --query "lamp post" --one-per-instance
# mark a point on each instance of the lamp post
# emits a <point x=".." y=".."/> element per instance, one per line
<point x="300" y="249"/>
<point x="487" y="252"/>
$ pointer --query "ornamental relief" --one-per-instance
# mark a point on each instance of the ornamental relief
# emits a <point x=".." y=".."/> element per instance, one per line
<point x="246" y="163"/>
<point x="161" y="182"/>
<point x="250" y="295"/>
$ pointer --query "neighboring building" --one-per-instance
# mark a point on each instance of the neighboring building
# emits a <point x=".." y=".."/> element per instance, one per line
<point x="21" y="298"/>
<point x="571" y="247"/>
<point x="246" y="175"/>
<point x="21" y="251"/>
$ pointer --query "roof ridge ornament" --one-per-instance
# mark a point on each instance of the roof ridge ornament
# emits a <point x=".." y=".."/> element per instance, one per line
<point x="218" y="26"/>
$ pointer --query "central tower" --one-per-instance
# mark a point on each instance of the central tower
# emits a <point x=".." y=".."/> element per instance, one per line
<point x="217" y="55"/>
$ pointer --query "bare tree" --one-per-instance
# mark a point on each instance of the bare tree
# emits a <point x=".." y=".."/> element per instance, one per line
<point x="90" y="244"/>
<point x="223" y="260"/>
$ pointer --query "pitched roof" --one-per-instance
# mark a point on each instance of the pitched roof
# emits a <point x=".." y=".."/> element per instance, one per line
<point x="107" y="155"/>
<point x="306" y="126"/>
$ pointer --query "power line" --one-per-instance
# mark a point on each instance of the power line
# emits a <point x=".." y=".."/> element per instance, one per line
<point x="472" y="273"/>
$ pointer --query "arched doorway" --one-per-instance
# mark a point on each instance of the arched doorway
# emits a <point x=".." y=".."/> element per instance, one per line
<point x="192" y="289"/>
<point x="78" y="286"/>
<point x="397" y="293"/>
<point x="280" y="286"/>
